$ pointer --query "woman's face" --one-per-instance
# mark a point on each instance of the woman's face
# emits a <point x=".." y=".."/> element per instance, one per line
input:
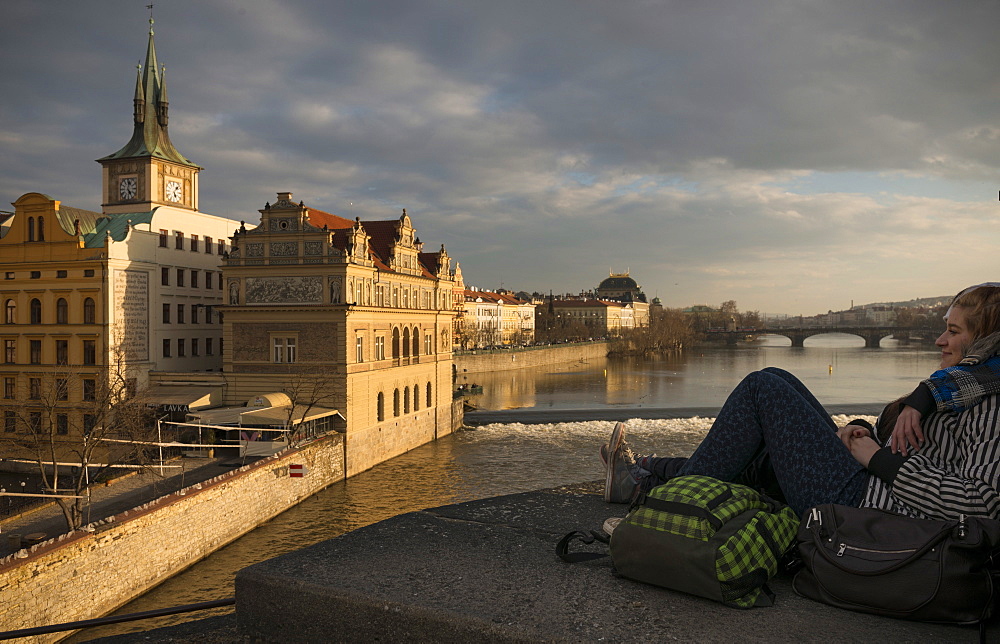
<point x="956" y="338"/>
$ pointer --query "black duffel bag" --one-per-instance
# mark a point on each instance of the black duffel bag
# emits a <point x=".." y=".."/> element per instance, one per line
<point x="888" y="564"/>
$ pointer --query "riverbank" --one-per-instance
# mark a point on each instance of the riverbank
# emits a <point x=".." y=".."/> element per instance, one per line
<point x="490" y="360"/>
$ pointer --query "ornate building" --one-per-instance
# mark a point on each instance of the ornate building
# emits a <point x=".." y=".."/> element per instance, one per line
<point x="136" y="285"/>
<point x="351" y="316"/>
<point x="620" y="287"/>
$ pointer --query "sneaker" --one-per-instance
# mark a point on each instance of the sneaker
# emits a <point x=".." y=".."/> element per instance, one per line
<point x="621" y="482"/>
<point x="617" y="436"/>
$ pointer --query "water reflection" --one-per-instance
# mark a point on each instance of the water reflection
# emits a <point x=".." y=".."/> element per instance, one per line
<point x="833" y="365"/>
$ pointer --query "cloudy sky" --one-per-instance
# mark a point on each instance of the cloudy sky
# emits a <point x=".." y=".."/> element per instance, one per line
<point x="791" y="155"/>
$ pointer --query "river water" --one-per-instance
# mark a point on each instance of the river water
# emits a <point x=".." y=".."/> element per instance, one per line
<point x="508" y="458"/>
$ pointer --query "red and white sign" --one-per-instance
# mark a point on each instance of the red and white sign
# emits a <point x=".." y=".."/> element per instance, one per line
<point x="297" y="470"/>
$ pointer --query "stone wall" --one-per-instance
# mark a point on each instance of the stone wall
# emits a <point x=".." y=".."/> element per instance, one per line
<point x="507" y="359"/>
<point x="84" y="574"/>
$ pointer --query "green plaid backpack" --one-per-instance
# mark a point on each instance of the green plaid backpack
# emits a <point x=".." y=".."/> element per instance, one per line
<point x="702" y="536"/>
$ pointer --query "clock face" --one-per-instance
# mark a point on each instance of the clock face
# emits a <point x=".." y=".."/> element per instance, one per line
<point x="127" y="188"/>
<point x="173" y="191"/>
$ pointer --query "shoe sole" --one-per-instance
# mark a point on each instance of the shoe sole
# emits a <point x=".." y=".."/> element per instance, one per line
<point x="617" y="436"/>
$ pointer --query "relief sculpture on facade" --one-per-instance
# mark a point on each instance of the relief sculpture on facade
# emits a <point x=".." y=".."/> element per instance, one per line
<point x="283" y="290"/>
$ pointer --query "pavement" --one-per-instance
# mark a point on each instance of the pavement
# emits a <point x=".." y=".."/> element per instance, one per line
<point x="486" y="571"/>
<point x="116" y="496"/>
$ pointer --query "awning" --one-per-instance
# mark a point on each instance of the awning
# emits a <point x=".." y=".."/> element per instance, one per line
<point x="184" y="398"/>
<point x="267" y="416"/>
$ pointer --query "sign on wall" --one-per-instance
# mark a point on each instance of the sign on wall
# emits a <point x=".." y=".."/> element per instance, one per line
<point x="131" y="310"/>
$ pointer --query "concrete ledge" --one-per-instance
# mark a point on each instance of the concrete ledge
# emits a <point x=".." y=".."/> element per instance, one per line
<point x="487" y="570"/>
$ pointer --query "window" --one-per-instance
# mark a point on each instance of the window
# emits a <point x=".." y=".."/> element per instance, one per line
<point x="178" y="240"/>
<point x="10" y="351"/>
<point x="208" y="279"/>
<point x="163" y="238"/>
<point x="41" y="229"/>
<point x="9" y="421"/>
<point x="221" y="247"/>
<point x="194" y="278"/>
<point x="89" y="422"/>
<point x="406" y="400"/>
<point x="9" y="275"/>
<point x="359" y="349"/>
<point x="10" y="311"/>
<point x="62" y="311"/>
<point x="89" y="311"/>
<point x="428" y="344"/>
<point x="62" y="389"/>
<point x="8" y="387"/>
<point x="34" y="388"/>
<point x="208" y="245"/>
<point x="284" y="349"/>
<point x="208" y="347"/>
<point x="380" y="348"/>
<point x="88" y="272"/>
<point x="180" y="314"/>
<point x="61" y="274"/>
<point x="180" y="277"/>
<point x="89" y="352"/>
<point x="35" y="421"/>
<point x="62" y="351"/>
<point x="208" y="313"/>
<point x="164" y="276"/>
<point x="194" y="347"/>
<point x="62" y="424"/>
<point x="89" y="389"/>
<point x="36" y="275"/>
<point x="380" y="410"/>
<point x="166" y="348"/>
<point x="430" y="399"/>
<point x="181" y="348"/>
<point x="35" y="311"/>
<point x="194" y="314"/>
<point x="194" y="243"/>
<point x="395" y="402"/>
<point x="36" y="351"/>
<point x="31" y="229"/>
<point x="416" y="397"/>
<point x="166" y="314"/>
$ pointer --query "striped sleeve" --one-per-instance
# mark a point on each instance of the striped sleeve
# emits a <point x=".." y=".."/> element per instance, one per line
<point x="958" y="469"/>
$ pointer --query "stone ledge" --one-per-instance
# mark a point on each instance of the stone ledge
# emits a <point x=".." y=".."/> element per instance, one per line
<point x="487" y="570"/>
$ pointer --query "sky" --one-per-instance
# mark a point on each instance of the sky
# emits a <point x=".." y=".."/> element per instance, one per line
<point x="794" y="156"/>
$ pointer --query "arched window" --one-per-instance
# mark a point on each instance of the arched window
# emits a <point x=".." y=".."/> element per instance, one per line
<point x="10" y="311"/>
<point x="395" y="402"/>
<point x="62" y="311"/>
<point x="416" y="397"/>
<point x="416" y="342"/>
<point x="406" y="342"/>
<point x="381" y="406"/>
<point x="430" y="398"/>
<point x="395" y="343"/>
<point x="41" y="229"/>
<point x="36" y="311"/>
<point x="406" y="400"/>
<point x="31" y="229"/>
<point x="89" y="311"/>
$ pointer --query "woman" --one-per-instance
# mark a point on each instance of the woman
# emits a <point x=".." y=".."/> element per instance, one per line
<point x="941" y="459"/>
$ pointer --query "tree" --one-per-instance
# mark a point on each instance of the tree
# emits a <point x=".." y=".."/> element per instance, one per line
<point x="76" y="423"/>
<point x="308" y="388"/>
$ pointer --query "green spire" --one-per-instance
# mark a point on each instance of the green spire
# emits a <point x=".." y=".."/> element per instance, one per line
<point x="150" y="138"/>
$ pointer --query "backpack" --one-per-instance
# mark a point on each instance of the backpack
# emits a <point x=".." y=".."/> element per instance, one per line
<point x="702" y="536"/>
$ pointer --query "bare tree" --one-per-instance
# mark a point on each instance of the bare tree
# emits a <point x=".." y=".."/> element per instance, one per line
<point x="76" y="423"/>
<point x="308" y="388"/>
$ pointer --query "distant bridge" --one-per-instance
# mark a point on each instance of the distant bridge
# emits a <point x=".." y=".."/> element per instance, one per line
<point x="872" y="334"/>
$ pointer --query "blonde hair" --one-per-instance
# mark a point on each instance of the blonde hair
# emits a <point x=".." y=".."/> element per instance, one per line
<point x="981" y="305"/>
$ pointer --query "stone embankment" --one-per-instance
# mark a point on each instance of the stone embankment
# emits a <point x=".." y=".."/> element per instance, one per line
<point x="91" y="572"/>
<point x="485" y="361"/>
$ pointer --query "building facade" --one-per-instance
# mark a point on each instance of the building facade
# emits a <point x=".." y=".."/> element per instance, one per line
<point x="603" y="317"/>
<point x="352" y="316"/>
<point x="496" y="318"/>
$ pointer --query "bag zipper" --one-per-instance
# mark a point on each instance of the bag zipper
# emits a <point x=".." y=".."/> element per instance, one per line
<point x="844" y="548"/>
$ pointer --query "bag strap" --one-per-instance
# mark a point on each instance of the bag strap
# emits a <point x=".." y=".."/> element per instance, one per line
<point x="587" y="537"/>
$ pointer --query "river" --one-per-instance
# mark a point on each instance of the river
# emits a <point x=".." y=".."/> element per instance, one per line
<point x="504" y="459"/>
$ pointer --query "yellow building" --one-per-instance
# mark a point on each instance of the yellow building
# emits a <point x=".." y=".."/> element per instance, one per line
<point x="602" y="317"/>
<point x="344" y="315"/>
<point x="496" y="318"/>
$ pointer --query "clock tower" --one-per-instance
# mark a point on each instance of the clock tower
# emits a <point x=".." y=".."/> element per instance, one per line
<point x="149" y="171"/>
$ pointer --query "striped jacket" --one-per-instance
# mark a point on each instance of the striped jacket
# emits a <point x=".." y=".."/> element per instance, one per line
<point x="956" y="471"/>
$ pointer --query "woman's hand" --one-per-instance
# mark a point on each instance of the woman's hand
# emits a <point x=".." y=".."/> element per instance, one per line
<point x="907" y="431"/>
<point x="858" y="441"/>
